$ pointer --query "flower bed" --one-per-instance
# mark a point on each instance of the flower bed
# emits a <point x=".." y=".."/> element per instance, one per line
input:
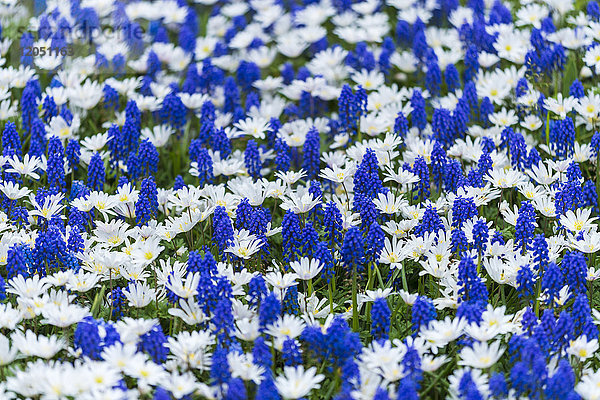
<point x="280" y="199"/>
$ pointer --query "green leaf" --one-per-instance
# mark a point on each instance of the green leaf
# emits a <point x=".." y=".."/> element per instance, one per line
<point x="97" y="302"/>
<point x="570" y="73"/>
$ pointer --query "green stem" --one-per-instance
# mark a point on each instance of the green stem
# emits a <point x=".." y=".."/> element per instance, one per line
<point x="369" y="287"/>
<point x="378" y="273"/>
<point x="538" y="291"/>
<point x="347" y="197"/>
<point x="396" y="307"/>
<point x="354" y="300"/>
<point x="548" y="129"/>
<point x="436" y="380"/>
<point x="111" y="294"/>
<point x="404" y="283"/>
<point x="592" y="294"/>
<point x="330" y="295"/>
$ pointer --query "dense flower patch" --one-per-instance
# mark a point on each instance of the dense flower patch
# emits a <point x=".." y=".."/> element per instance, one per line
<point x="287" y="199"/>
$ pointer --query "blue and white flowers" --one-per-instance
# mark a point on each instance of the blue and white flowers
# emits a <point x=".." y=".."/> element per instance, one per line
<point x="319" y="199"/>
